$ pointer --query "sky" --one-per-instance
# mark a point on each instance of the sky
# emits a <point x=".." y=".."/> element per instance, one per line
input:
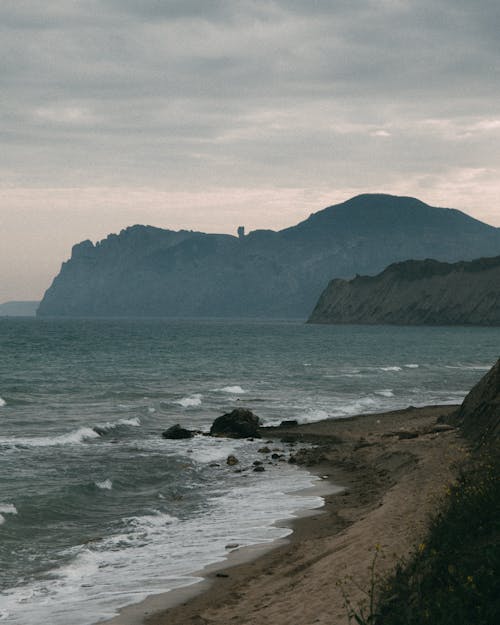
<point x="210" y="114"/>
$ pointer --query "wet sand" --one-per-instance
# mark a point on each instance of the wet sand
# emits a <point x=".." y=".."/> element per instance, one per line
<point x="395" y="468"/>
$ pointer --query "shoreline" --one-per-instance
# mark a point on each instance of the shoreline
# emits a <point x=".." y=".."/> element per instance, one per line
<point x="393" y="468"/>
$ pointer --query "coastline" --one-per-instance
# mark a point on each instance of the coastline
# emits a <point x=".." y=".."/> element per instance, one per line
<point x="394" y="468"/>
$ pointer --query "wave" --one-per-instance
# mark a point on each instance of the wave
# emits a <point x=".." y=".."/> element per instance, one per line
<point x="105" y="485"/>
<point x="6" y="508"/>
<point x="394" y="368"/>
<point x="412" y="366"/>
<point x="191" y="401"/>
<point x="79" y="435"/>
<point x="2" y="402"/>
<point x="237" y="390"/>
<point x="386" y="392"/>
<point x="105" y="428"/>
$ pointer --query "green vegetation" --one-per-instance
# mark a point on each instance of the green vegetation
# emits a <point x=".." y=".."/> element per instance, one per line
<point x="453" y="578"/>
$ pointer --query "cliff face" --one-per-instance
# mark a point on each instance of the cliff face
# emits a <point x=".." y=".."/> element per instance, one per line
<point x="417" y="293"/>
<point x="146" y="271"/>
<point x="479" y="415"/>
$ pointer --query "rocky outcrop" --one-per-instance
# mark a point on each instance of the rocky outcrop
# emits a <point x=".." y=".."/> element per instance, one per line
<point x="479" y="414"/>
<point x="176" y="432"/>
<point x="417" y="293"/>
<point x="150" y="272"/>
<point x="239" y="423"/>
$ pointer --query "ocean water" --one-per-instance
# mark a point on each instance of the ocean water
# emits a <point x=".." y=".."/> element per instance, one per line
<point x="91" y="523"/>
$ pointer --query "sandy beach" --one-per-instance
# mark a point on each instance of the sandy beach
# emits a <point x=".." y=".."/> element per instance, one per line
<point x="394" y="467"/>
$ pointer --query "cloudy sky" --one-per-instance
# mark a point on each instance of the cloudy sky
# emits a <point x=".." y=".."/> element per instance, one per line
<point x="208" y="114"/>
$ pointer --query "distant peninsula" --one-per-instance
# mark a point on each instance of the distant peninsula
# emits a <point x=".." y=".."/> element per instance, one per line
<point x="150" y="272"/>
<point x="18" y="309"/>
<point x="424" y="292"/>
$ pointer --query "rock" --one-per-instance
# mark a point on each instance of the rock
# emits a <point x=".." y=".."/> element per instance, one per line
<point x="239" y="423"/>
<point x="232" y="460"/>
<point x="277" y="456"/>
<point x="259" y="468"/>
<point x="220" y="575"/>
<point x="479" y="414"/>
<point x="264" y="450"/>
<point x="177" y="432"/>
<point x="307" y="457"/>
<point x="257" y="463"/>
<point x="232" y="545"/>
<point x="404" y="434"/>
<point x="289" y="423"/>
<point x="214" y="464"/>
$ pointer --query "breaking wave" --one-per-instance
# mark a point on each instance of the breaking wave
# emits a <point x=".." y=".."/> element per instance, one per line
<point x="236" y="390"/>
<point x="6" y="508"/>
<point x="190" y="401"/>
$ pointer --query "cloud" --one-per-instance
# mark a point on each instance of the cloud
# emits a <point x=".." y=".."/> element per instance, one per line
<point x="193" y="96"/>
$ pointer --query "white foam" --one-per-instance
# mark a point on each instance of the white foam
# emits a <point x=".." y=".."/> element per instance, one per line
<point x="412" y="366"/>
<point x="236" y="390"/>
<point x="2" y="402"/>
<point x="191" y="401"/>
<point x="391" y="368"/>
<point x="134" y="422"/>
<point x="71" y="438"/>
<point x="156" y="551"/>
<point x="6" y="508"/>
<point x="386" y="392"/>
<point x="105" y="485"/>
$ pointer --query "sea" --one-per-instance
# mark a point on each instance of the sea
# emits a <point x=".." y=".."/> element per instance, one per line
<point x="91" y="521"/>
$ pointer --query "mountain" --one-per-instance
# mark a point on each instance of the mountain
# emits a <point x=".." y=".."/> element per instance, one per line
<point x="147" y="271"/>
<point x="18" y="309"/>
<point x="413" y="292"/>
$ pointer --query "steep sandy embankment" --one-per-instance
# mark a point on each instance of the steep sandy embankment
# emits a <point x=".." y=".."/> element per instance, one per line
<point x="417" y="293"/>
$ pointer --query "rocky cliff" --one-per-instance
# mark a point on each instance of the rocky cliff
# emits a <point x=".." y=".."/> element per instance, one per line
<point x="416" y="293"/>
<point x="146" y="271"/>
<point x="479" y="415"/>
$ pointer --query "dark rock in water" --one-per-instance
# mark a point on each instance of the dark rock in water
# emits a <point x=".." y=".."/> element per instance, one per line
<point x="232" y="460"/>
<point x="276" y="456"/>
<point x="101" y="431"/>
<point x="239" y="423"/>
<point x="289" y="423"/>
<point x="264" y="450"/>
<point x="479" y="414"/>
<point x="259" y="468"/>
<point x="257" y="463"/>
<point x="232" y="545"/>
<point x="177" y="432"/>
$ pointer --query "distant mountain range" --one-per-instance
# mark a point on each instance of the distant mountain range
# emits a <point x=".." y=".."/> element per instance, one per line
<point x="148" y="272"/>
<point x="425" y="292"/>
<point x="18" y="309"/>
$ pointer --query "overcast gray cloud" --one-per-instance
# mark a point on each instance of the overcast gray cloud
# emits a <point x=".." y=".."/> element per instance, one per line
<point x="195" y="101"/>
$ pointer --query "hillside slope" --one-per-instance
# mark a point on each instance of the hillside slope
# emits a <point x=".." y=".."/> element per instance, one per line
<point x="146" y="271"/>
<point x="416" y="293"/>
